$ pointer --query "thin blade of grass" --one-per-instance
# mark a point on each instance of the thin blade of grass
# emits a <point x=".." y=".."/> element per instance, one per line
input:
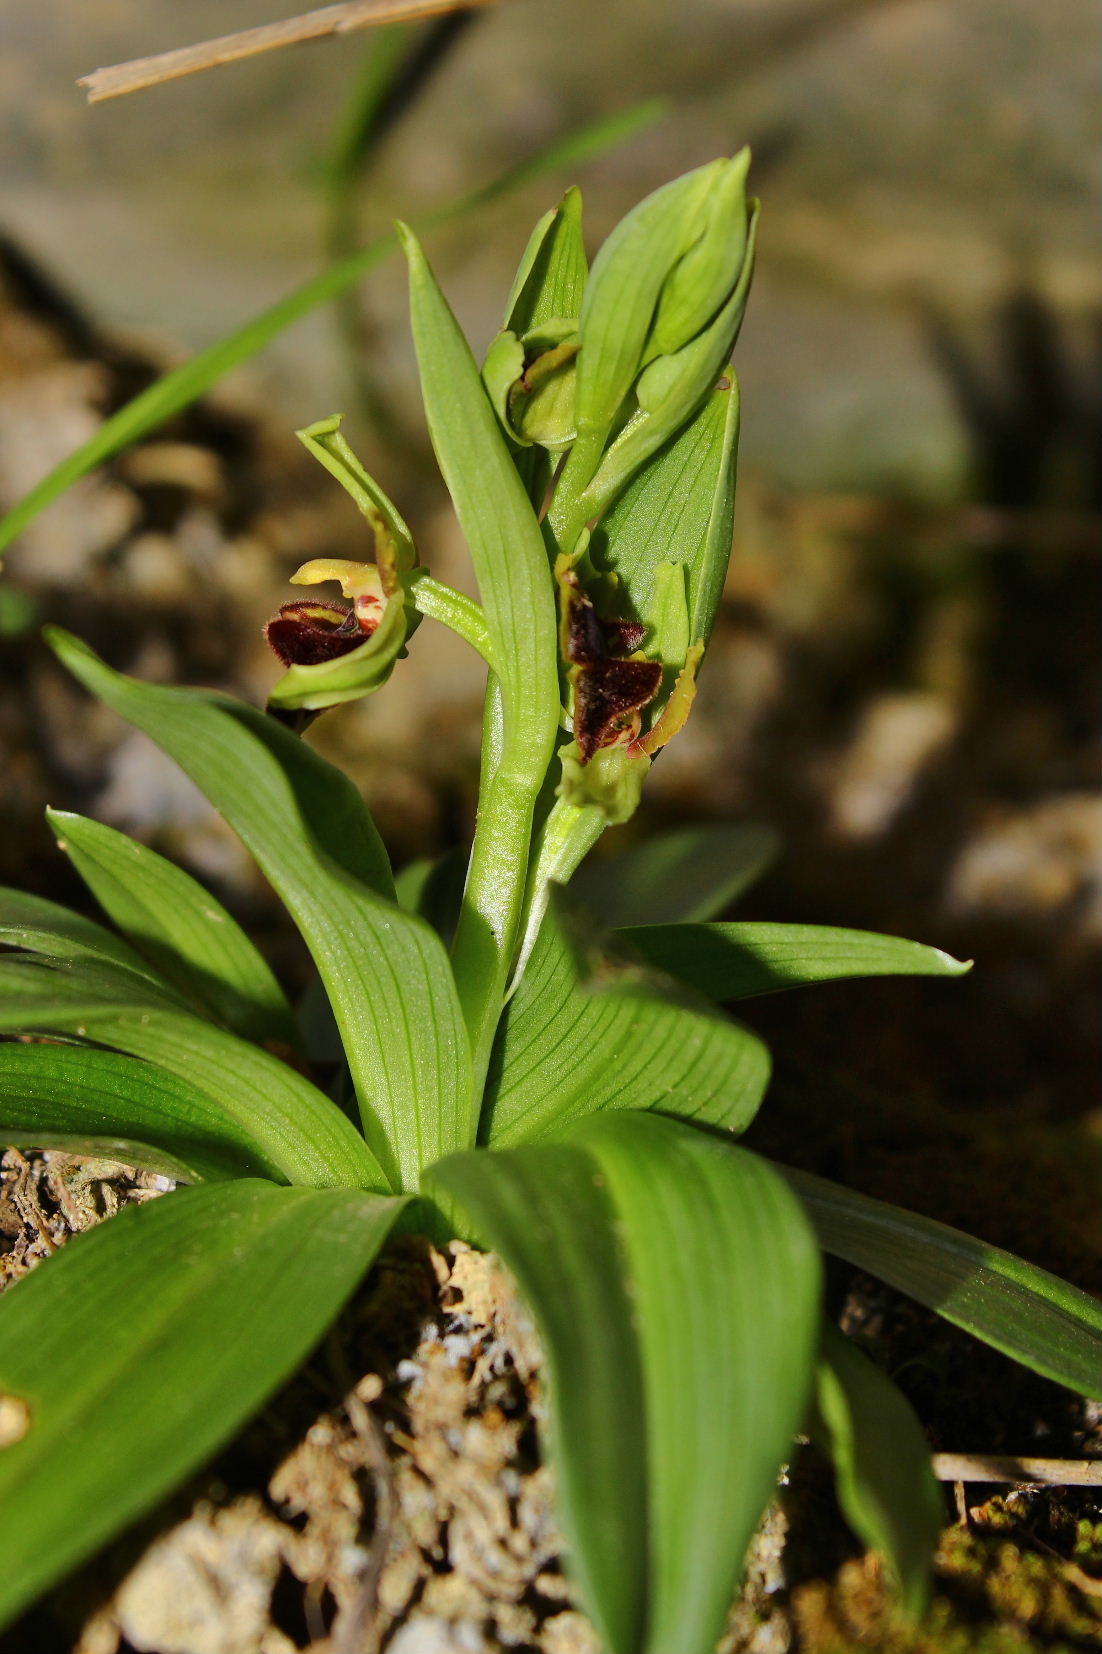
<point x="181" y="386"/>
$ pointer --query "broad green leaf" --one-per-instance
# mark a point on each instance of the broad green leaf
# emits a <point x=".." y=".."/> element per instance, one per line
<point x="885" y="1482"/>
<point x="1025" y="1312"/>
<point x="31" y="984"/>
<point x="692" y="873"/>
<point x="38" y="926"/>
<point x="100" y="1103"/>
<point x="726" y="1280"/>
<point x="545" y="1209"/>
<point x="699" y="1248"/>
<point x="735" y="961"/>
<point x="178" y="389"/>
<point x="386" y="972"/>
<point x="299" y="1133"/>
<point x="138" y="1350"/>
<point x="584" y="1032"/>
<point x="180" y="928"/>
<point x="678" y="509"/>
<point x="510" y="561"/>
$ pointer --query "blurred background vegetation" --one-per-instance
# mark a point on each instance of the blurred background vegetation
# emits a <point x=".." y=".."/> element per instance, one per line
<point x="927" y="167"/>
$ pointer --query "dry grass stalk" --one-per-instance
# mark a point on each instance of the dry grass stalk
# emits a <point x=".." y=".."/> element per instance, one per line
<point x="143" y="72"/>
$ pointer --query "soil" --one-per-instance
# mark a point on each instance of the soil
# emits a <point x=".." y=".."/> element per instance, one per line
<point x="909" y="696"/>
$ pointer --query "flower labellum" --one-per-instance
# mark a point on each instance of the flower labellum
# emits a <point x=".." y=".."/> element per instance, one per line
<point x="610" y="689"/>
<point x="337" y="652"/>
<point x="305" y="634"/>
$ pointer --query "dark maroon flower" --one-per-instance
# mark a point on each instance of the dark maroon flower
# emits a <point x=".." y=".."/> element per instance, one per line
<point x="608" y="694"/>
<point x="308" y="633"/>
<point x="609" y="691"/>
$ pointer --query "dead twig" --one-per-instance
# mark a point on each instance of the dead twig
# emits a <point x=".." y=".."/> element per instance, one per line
<point x="143" y="72"/>
<point x="995" y="1468"/>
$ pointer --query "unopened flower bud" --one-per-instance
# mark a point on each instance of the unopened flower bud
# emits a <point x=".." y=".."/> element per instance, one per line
<point x="704" y="277"/>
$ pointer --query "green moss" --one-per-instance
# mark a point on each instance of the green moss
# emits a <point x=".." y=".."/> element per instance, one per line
<point x="994" y="1595"/>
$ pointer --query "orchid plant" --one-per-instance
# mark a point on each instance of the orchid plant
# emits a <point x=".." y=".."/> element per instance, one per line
<point x="544" y="1073"/>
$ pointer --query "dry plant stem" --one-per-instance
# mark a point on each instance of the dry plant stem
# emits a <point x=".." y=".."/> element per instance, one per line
<point x="994" y="1468"/>
<point x="143" y="72"/>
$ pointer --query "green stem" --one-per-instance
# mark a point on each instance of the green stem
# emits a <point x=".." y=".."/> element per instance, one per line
<point x="569" y="511"/>
<point x="493" y="900"/>
<point x="462" y="614"/>
<point x="565" y="839"/>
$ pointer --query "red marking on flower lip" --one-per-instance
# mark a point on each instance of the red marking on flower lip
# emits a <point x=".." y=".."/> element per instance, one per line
<point x="309" y="633"/>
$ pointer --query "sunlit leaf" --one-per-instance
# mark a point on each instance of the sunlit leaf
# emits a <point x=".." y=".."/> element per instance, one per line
<point x="585" y="1032"/>
<point x="886" y="1485"/>
<point x="137" y="1351"/>
<point x="511" y="564"/>
<point x="180" y="928"/>
<point x="692" y="873"/>
<point x="56" y="1096"/>
<point x="298" y="1133"/>
<point x="500" y="526"/>
<point x="735" y="961"/>
<point x="1025" y="1312"/>
<point x="546" y="1211"/>
<point x="386" y="972"/>
<point x="678" y="509"/>
<point x="675" y="1285"/>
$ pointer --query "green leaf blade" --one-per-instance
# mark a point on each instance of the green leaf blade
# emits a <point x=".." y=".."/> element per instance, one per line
<point x="545" y="1212"/>
<point x="885" y="1482"/>
<point x="511" y="564"/>
<point x="497" y="519"/>
<point x="692" y="874"/>
<point x="226" y="1289"/>
<point x="726" y="1278"/>
<point x="41" y="927"/>
<point x="295" y="1129"/>
<point x="1022" y="1310"/>
<point x="583" y="1033"/>
<point x="737" y="961"/>
<point x="185" y="933"/>
<point x="386" y="972"/>
<point x="677" y="1394"/>
<point x="104" y="1104"/>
